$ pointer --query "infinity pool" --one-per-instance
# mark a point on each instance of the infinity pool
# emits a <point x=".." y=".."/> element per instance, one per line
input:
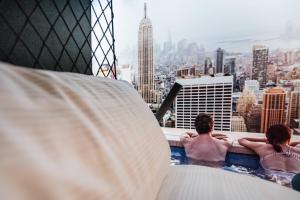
<point x="235" y="162"/>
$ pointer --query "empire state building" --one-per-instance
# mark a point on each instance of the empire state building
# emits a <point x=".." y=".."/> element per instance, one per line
<point x="145" y="58"/>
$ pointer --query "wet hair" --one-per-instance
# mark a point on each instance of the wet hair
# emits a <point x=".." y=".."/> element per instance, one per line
<point x="204" y="123"/>
<point x="278" y="134"/>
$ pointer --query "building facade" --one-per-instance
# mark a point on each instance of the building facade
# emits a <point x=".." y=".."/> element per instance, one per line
<point x="273" y="108"/>
<point x="289" y="57"/>
<point x="260" y="62"/>
<point x="238" y="124"/>
<point x="219" y="61"/>
<point x="229" y="66"/>
<point x="211" y="95"/>
<point x="229" y="69"/>
<point x="293" y="107"/>
<point x="146" y="85"/>
<point x="187" y="72"/>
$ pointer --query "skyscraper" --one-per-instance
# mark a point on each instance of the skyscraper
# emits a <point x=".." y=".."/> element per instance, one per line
<point x="273" y="108"/>
<point x="294" y="107"/>
<point x="290" y="57"/>
<point x="260" y="62"/>
<point x="212" y="95"/>
<point x="207" y="65"/>
<point x="229" y="69"/>
<point x="146" y="86"/>
<point x="219" y="61"/>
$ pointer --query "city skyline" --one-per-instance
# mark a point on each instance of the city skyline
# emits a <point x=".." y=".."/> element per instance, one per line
<point x="236" y="28"/>
<point x="256" y="74"/>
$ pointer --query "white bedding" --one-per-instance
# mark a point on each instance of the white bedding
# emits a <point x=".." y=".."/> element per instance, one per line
<point x="72" y="136"/>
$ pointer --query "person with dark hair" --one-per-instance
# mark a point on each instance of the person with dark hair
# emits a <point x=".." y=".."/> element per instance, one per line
<point x="276" y="152"/>
<point x="205" y="146"/>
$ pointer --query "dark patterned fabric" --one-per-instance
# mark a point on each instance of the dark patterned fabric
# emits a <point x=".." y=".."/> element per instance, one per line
<point x="60" y="35"/>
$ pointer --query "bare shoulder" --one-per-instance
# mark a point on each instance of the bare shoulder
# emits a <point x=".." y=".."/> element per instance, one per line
<point x="225" y="143"/>
<point x="185" y="140"/>
<point x="297" y="149"/>
<point x="228" y="144"/>
<point x="264" y="149"/>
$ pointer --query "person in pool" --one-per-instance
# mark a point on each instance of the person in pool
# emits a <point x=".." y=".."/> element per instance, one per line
<point x="205" y="146"/>
<point x="276" y="152"/>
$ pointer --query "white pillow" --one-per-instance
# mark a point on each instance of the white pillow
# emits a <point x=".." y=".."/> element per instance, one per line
<point x="72" y="136"/>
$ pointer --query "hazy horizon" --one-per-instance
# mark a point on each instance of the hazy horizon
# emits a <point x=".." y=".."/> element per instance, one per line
<point x="229" y="24"/>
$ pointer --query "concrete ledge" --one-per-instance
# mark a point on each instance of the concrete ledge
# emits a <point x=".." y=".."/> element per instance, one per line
<point x="173" y="137"/>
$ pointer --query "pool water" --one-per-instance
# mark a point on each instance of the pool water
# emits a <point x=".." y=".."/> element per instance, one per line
<point x="234" y="162"/>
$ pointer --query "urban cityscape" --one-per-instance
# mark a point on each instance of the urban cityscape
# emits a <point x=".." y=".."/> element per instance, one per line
<point x="151" y="99"/>
<point x="244" y="92"/>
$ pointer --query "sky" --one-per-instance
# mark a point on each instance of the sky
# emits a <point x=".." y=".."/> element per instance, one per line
<point x="234" y="24"/>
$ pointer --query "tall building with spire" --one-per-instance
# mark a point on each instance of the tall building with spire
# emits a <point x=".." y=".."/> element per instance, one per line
<point x="146" y="85"/>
